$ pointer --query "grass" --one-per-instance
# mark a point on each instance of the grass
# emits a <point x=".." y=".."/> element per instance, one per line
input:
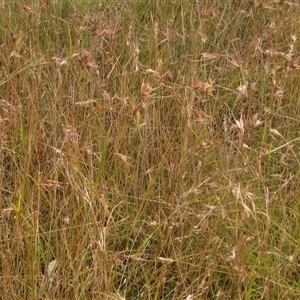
<point x="149" y="150"/>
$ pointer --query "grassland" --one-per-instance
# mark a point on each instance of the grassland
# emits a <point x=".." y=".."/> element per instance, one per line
<point x="149" y="149"/>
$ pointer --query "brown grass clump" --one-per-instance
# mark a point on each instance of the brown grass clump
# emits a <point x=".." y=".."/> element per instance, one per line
<point x="149" y="150"/>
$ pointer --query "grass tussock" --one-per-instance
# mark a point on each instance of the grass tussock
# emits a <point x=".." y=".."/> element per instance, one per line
<point x="149" y="149"/>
